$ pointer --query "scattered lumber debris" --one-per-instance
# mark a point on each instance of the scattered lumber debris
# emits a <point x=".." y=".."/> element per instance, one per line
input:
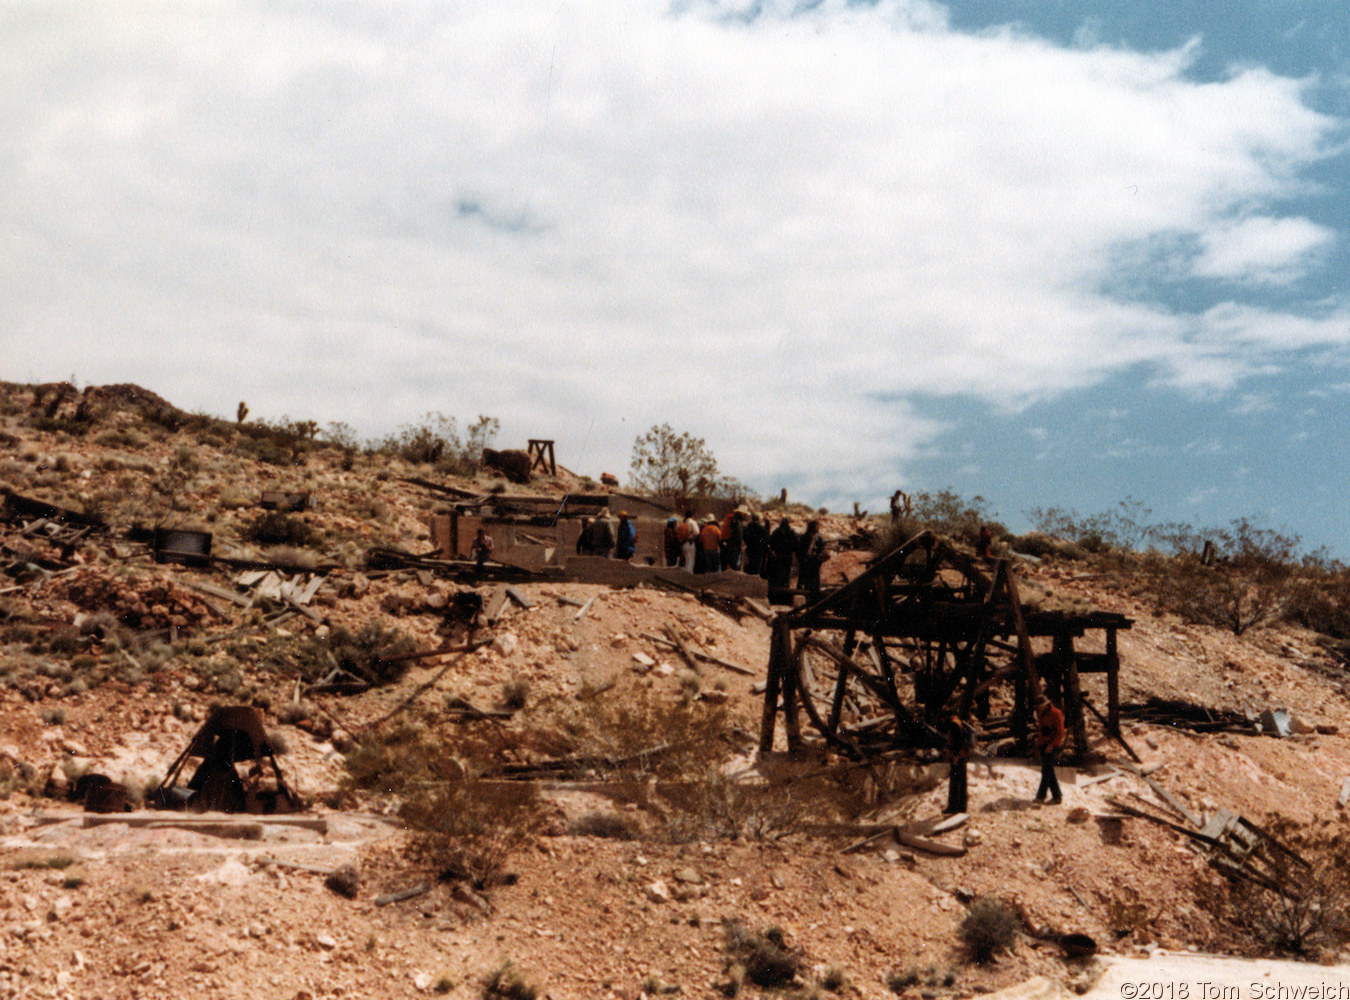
<point x="580" y="766"/>
<point x="1237" y="846"/>
<point x="1203" y="719"/>
<point x="691" y="655"/>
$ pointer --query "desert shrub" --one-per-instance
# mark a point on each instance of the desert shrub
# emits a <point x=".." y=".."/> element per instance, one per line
<point x="1319" y="599"/>
<point x="1278" y="904"/>
<point x="278" y="528"/>
<point x="1251" y="584"/>
<point x="507" y="982"/>
<point x="515" y="694"/>
<point x="464" y="827"/>
<point x="989" y="926"/>
<point x="632" y="731"/>
<point x="371" y="654"/>
<point x="762" y="958"/>
<point x="1125" y="526"/>
<point x="945" y="513"/>
<point x="121" y="438"/>
<point x="610" y="826"/>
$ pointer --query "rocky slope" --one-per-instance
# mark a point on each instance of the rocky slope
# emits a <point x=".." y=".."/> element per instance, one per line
<point x="626" y="889"/>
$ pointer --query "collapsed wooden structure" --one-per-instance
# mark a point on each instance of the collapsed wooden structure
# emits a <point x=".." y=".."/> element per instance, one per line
<point x="875" y="664"/>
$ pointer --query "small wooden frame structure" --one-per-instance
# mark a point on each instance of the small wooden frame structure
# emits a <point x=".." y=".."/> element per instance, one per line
<point x="876" y="663"/>
<point x="232" y="734"/>
<point x="541" y="456"/>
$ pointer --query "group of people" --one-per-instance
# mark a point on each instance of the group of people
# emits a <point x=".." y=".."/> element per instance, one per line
<point x="603" y="536"/>
<point x="960" y="741"/>
<point x="743" y="542"/>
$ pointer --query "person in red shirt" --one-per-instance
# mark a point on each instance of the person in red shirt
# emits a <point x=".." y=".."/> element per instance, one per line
<point x="1049" y="739"/>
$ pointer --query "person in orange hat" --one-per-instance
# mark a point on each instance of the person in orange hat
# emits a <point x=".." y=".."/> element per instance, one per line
<point x="1049" y="740"/>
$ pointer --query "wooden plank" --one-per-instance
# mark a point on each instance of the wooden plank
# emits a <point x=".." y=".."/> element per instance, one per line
<point x="1099" y="778"/>
<point x="929" y="846"/>
<point x="311" y="588"/>
<point x="496" y="603"/>
<point x="759" y="608"/>
<point x="516" y="595"/>
<point x="582" y="613"/>
<point x="205" y="587"/>
<point x="397" y="897"/>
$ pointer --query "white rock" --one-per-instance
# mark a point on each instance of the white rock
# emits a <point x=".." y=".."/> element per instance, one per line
<point x="325" y="941"/>
<point x="505" y="644"/>
<point x="422" y="981"/>
<point x="658" y="892"/>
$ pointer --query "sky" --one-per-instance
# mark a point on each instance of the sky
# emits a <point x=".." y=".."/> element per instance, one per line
<point x="1053" y="254"/>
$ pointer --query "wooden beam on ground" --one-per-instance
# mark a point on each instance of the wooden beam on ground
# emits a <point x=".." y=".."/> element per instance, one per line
<point x="1169" y="798"/>
<point x="422" y="888"/>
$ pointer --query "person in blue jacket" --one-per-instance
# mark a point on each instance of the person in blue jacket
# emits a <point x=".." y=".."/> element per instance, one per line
<point x="627" y="537"/>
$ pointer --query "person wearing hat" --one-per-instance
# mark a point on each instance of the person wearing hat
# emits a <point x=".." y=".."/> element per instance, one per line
<point x="732" y="538"/>
<point x="960" y="740"/>
<point x="602" y="536"/>
<point x="810" y="557"/>
<point x="756" y="544"/>
<point x="586" y="539"/>
<point x="1049" y="739"/>
<point x="482" y="548"/>
<point x="688" y="533"/>
<point x="670" y="541"/>
<point x="626" y="546"/>
<point x="782" y="550"/>
<point x="709" y="546"/>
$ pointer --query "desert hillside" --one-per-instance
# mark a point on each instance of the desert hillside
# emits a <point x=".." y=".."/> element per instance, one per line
<point x="568" y="789"/>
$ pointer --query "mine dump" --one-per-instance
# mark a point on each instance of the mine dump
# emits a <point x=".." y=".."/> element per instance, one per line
<point x="291" y="716"/>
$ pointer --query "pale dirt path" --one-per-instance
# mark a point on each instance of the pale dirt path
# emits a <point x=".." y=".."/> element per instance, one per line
<point x="1189" y="976"/>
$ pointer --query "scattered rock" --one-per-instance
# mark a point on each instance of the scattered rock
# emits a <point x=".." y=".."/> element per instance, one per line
<point x="345" y="880"/>
<point x="657" y="892"/>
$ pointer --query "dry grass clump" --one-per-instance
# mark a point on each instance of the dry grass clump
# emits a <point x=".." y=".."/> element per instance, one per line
<point x="989" y="927"/>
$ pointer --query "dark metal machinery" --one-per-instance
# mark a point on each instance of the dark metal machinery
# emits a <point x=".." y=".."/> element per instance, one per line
<point x="875" y="664"/>
<point x="231" y="735"/>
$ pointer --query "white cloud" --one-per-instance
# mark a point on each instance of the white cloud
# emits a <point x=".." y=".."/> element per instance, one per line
<point x="772" y="231"/>
<point x="1261" y="249"/>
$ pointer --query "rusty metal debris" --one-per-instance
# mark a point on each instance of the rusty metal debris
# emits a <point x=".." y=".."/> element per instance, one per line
<point x="286" y="500"/>
<point x="183" y="546"/>
<point x="231" y="735"/>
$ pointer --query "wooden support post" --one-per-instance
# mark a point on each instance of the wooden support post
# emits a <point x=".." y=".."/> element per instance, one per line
<point x="1112" y="684"/>
<point x="791" y="681"/>
<point x="779" y="639"/>
<point x="1072" y="691"/>
<point x="541" y="456"/>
